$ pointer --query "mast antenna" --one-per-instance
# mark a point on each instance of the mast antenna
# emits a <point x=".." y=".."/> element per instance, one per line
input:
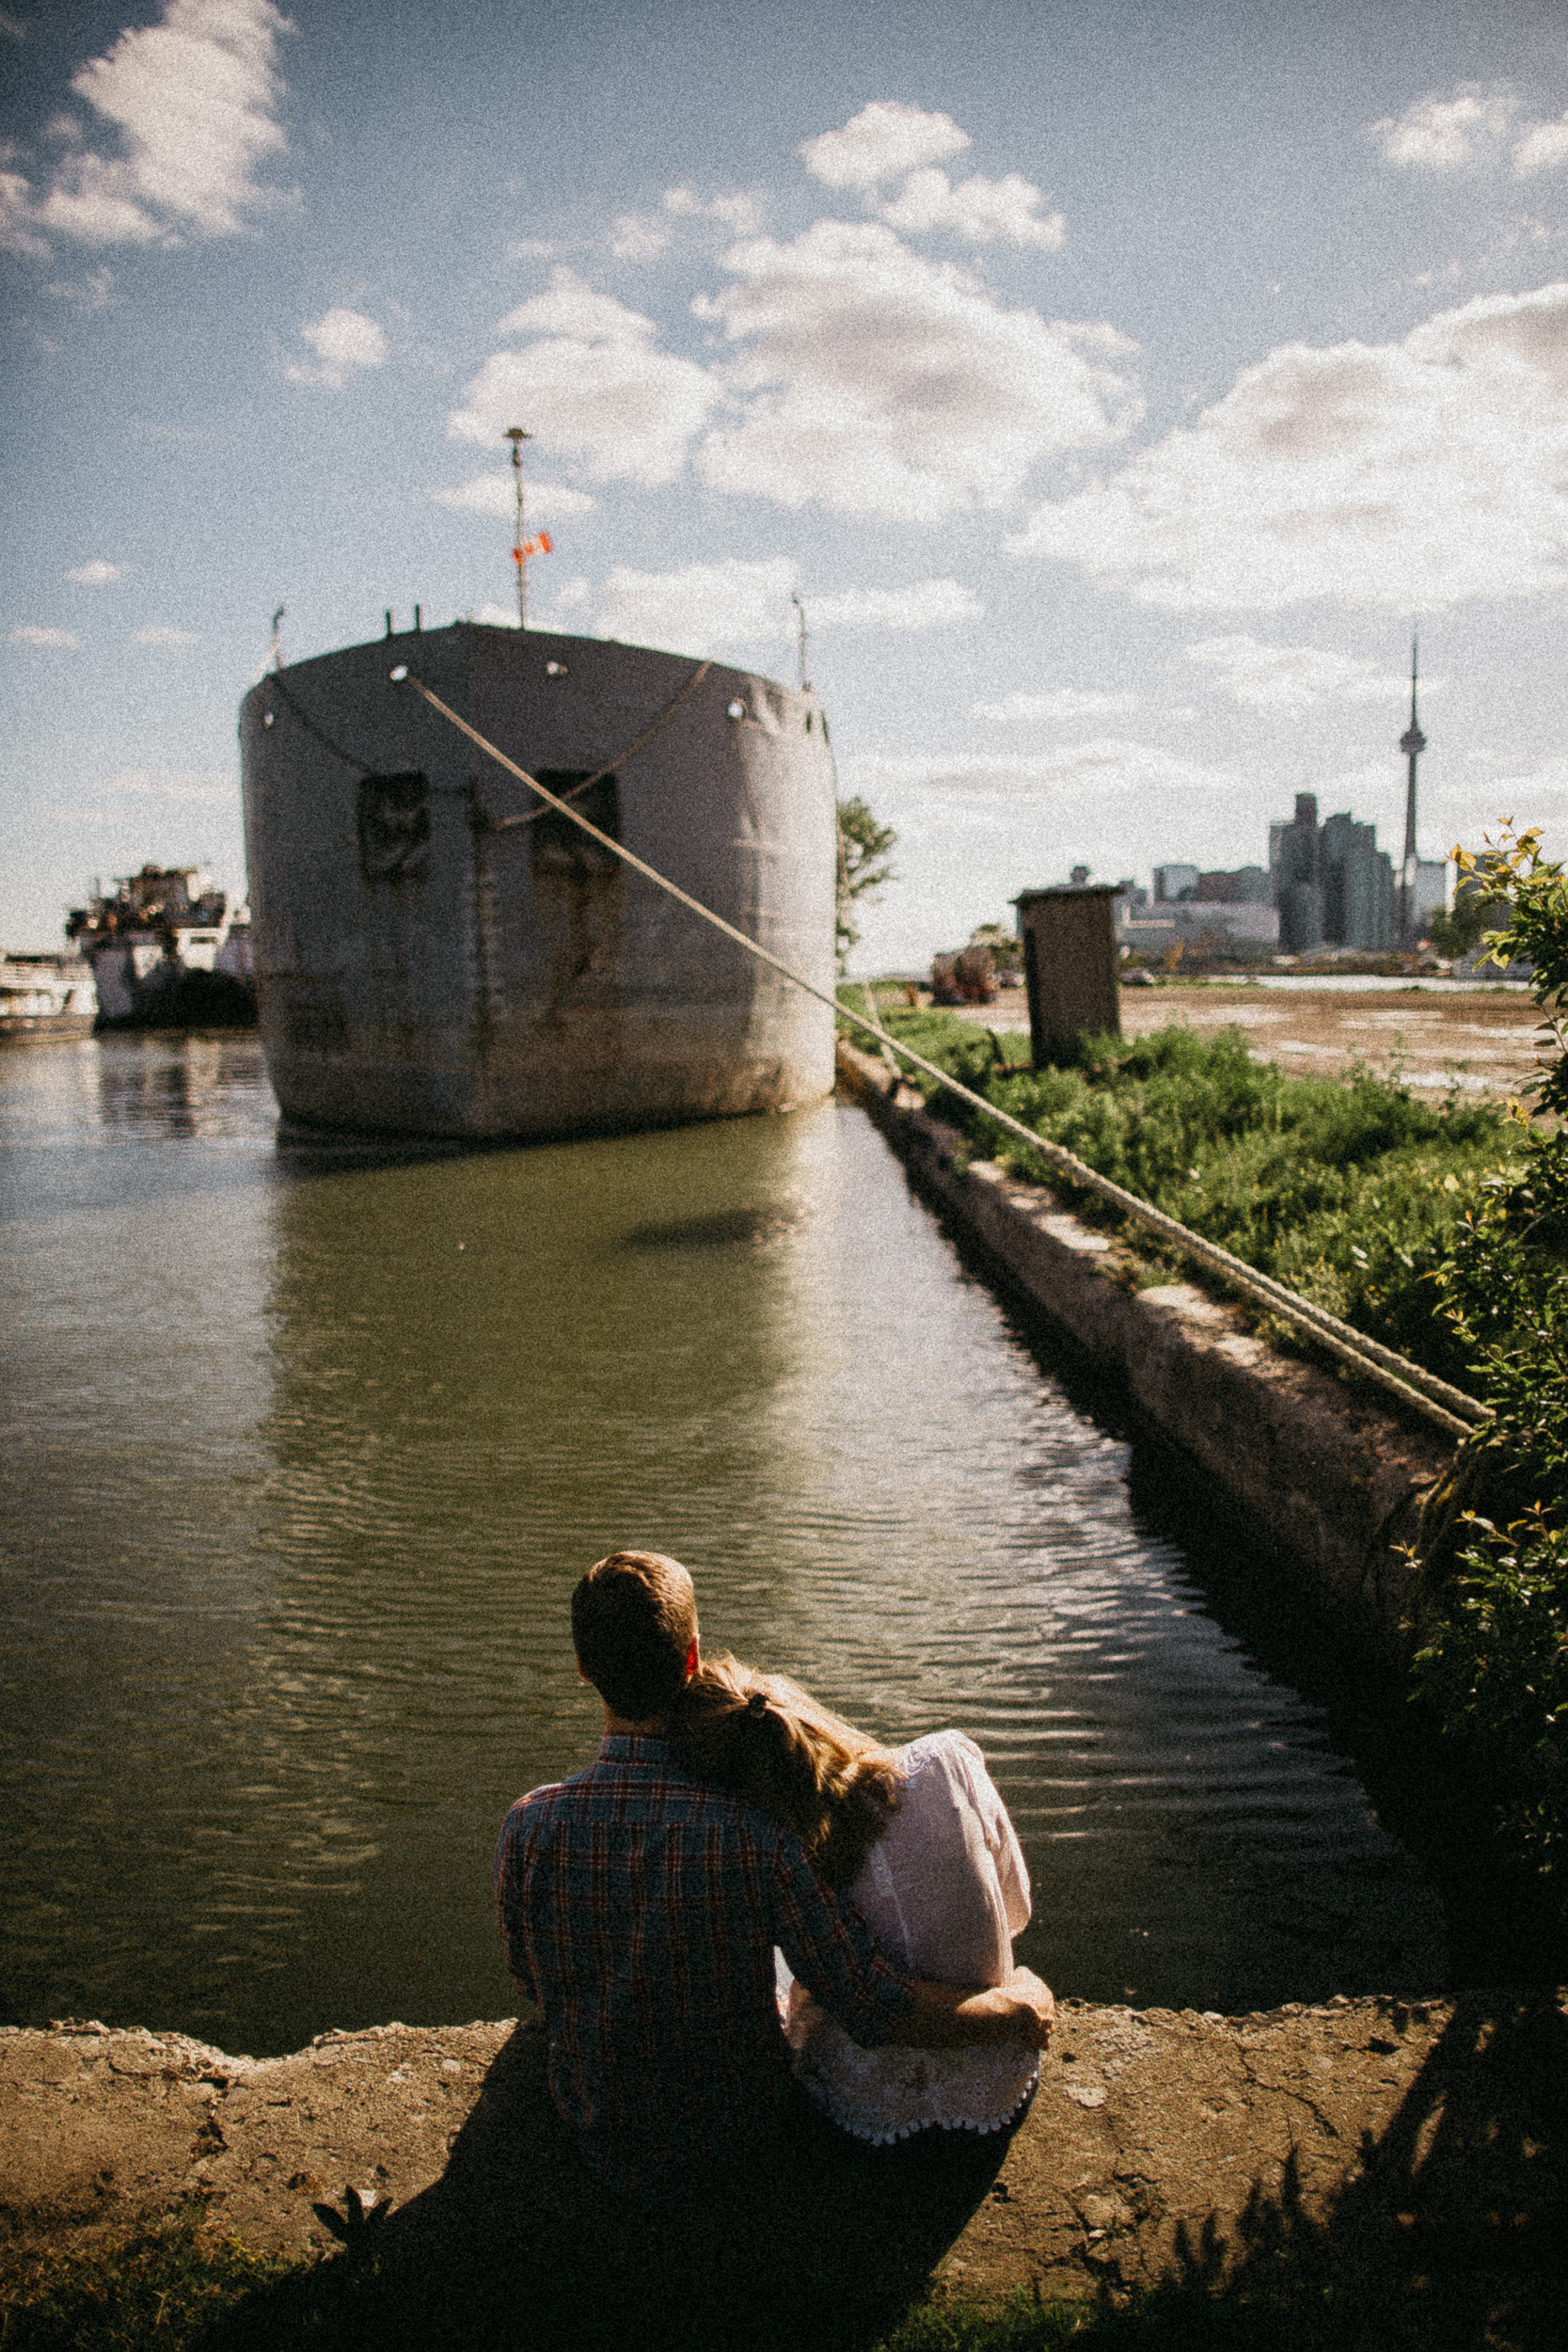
<point x="801" y="631"/>
<point x="516" y="435"/>
<point x="277" y="637"/>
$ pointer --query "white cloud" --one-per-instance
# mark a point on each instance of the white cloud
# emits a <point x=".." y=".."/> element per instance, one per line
<point x="883" y="141"/>
<point x="1406" y="474"/>
<point x="1448" y="133"/>
<point x="879" y="383"/>
<point x="1063" y="705"/>
<point x="706" y="608"/>
<point x="96" y="574"/>
<point x="639" y="237"/>
<point x="160" y="634"/>
<point x="1099" y="766"/>
<point x="344" y="341"/>
<point x="645" y="237"/>
<point x="735" y="211"/>
<point x="702" y="608"/>
<point x="1293" y="677"/>
<point x="593" y="385"/>
<point x="194" y="100"/>
<point x="924" y="604"/>
<point x="1543" y="147"/>
<point x="31" y="633"/>
<point x="494" y="494"/>
<point x="983" y="212"/>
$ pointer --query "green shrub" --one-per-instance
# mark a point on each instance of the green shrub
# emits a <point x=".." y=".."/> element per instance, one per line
<point x="1352" y="1192"/>
<point x="1493" y="1546"/>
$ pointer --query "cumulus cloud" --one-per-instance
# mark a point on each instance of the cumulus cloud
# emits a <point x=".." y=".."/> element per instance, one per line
<point x="494" y="494"/>
<point x="922" y="604"/>
<point x="645" y="237"/>
<point x="1473" y="126"/>
<point x="1543" y="147"/>
<point x="193" y="104"/>
<point x="160" y="634"/>
<point x="593" y="385"/>
<point x="983" y="212"/>
<point x="1063" y="705"/>
<point x="33" y="633"/>
<point x="1448" y="133"/>
<point x="882" y="383"/>
<point x="887" y="141"/>
<point x="96" y="574"/>
<point x="704" y="607"/>
<point x="1405" y="474"/>
<point x="883" y="142"/>
<point x="1293" y="677"/>
<point x="343" y="341"/>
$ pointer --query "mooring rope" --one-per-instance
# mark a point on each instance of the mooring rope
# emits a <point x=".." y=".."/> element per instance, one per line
<point x="1448" y="1406"/>
<point x="505" y="824"/>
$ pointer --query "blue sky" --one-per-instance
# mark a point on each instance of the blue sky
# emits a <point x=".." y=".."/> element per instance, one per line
<point x="1115" y="383"/>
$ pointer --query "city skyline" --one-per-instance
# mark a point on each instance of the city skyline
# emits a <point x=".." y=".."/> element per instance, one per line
<point x="1113" y="388"/>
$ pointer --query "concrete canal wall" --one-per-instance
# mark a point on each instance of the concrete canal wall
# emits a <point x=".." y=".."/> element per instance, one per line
<point x="1330" y="1479"/>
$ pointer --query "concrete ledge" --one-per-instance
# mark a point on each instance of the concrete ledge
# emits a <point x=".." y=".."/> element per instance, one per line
<point x="1390" y="2130"/>
<point x="1332" y="1479"/>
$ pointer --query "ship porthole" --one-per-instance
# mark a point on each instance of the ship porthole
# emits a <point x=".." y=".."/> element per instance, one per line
<point x="737" y="710"/>
<point x="267" y="717"/>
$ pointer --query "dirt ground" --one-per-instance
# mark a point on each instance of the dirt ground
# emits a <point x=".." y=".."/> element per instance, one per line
<point x="1482" y="1041"/>
<point x="1412" y="2149"/>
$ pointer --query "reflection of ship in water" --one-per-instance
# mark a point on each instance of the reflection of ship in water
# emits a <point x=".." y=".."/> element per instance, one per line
<point x="440" y="954"/>
<point x="46" y="995"/>
<point x="169" y="950"/>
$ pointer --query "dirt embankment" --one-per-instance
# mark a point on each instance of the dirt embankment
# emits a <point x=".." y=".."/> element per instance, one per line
<point x="1370" y="2131"/>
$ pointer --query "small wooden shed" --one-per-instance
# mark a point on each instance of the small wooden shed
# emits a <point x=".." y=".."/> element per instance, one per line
<point x="1069" y="967"/>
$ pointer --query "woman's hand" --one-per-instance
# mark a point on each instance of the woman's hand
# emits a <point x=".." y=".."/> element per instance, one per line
<point x="949" y="2017"/>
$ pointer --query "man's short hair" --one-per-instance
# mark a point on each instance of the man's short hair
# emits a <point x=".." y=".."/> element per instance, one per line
<point x="634" y="1619"/>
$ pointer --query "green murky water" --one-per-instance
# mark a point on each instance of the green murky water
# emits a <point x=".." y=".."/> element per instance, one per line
<point x="301" y="1466"/>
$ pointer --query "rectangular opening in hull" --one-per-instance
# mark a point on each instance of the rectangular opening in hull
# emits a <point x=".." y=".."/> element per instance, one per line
<point x="558" y="846"/>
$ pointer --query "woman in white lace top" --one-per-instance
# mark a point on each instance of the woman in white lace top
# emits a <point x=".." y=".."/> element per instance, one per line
<point x="920" y="1840"/>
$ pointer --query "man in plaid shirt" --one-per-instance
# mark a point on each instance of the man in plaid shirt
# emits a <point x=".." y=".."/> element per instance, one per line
<point x="640" y="1908"/>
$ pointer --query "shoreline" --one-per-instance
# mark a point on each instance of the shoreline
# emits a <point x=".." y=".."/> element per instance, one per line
<point x="1152" y="2130"/>
<point x="1332" y="1479"/>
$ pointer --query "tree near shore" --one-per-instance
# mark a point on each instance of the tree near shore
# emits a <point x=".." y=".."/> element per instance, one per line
<point x="863" y="849"/>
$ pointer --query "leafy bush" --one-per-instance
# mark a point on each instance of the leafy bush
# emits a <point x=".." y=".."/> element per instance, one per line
<point x="1493" y="1546"/>
<point x="1352" y="1192"/>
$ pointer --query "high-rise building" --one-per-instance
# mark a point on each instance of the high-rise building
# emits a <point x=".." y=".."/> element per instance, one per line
<point x="1294" y="872"/>
<point x="1175" y="885"/>
<point x="1358" y="885"/>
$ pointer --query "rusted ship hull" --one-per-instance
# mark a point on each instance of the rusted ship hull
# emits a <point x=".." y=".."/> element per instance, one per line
<point x="425" y="964"/>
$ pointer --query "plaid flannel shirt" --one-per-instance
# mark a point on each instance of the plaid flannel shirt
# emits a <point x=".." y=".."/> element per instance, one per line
<point x="639" y="1909"/>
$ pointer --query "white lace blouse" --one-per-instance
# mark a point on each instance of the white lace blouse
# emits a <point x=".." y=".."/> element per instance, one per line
<point x="944" y="1891"/>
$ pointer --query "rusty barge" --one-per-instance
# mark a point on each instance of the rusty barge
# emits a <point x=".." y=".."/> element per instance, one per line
<point x="438" y="954"/>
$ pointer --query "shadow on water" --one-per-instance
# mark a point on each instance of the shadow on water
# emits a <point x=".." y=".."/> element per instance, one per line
<point x="1444" y="2233"/>
<point x="1502" y="1926"/>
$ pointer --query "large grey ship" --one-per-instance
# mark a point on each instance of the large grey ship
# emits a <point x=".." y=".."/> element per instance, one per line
<point x="437" y="953"/>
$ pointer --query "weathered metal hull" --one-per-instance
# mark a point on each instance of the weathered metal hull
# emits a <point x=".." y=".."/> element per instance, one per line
<point x="423" y="967"/>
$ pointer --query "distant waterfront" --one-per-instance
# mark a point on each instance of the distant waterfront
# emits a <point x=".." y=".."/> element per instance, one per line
<point x="301" y="1465"/>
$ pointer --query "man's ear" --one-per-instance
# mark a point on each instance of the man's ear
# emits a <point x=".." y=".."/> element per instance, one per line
<point x="693" y="1659"/>
<point x="583" y="1674"/>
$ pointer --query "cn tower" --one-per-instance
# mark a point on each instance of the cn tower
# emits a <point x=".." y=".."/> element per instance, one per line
<point x="1412" y="744"/>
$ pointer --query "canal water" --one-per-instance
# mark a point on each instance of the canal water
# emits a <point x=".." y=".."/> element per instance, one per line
<point x="302" y="1460"/>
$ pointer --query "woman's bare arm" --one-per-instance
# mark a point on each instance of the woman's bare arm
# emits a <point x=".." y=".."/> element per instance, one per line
<point x="956" y="2017"/>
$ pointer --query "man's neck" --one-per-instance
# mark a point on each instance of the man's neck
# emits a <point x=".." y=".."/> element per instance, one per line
<point x="652" y="1727"/>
